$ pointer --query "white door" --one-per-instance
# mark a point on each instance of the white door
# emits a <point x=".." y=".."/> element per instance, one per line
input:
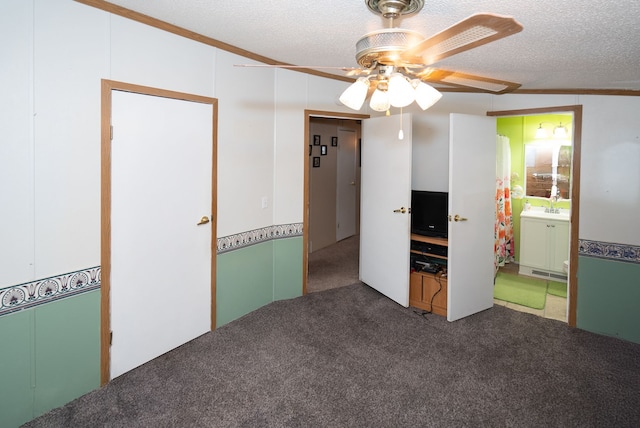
<point x="472" y="158"/>
<point x="386" y="188"/>
<point x="160" y="257"/>
<point x="346" y="184"/>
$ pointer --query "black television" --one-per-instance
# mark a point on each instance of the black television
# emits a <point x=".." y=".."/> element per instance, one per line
<point x="429" y="213"/>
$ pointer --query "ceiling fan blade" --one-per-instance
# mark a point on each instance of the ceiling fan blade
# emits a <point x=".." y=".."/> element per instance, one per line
<point x="351" y="71"/>
<point x="455" y="78"/>
<point x="469" y="33"/>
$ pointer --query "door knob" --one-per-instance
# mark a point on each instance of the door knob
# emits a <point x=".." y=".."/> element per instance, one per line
<point x="400" y="210"/>
<point x="458" y="218"/>
<point x="203" y="220"/>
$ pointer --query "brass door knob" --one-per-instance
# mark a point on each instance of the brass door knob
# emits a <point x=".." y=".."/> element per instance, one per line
<point x="458" y="218"/>
<point x="203" y="220"/>
<point x="400" y="210"/>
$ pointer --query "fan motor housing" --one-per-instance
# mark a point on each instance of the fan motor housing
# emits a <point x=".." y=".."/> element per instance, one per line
<point x="384" y="47"/>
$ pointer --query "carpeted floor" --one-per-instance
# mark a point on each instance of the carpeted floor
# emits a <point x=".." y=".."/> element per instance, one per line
<point x="351" y="357"/>
<point x="334" y="266"/>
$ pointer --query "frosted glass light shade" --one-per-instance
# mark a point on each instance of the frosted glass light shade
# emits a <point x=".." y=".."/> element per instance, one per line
<point x="379" y="100"/>
<point x="560" y="131"/>
<point x="541" y="133"/>
<point x="401" y="93"/>
<point x="426" y="95"/>
<point x="353" y="97"/>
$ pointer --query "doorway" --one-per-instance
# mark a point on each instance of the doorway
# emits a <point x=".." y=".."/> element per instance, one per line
<point x="157" y="241"/>
<point x="576" y="126"/>
<point x="322" y="192"/>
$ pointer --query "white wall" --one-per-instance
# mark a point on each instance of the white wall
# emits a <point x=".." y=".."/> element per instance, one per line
<point x="610" y="177"/>
<point x="55" y="53"/>
<point x="16" y="142"/>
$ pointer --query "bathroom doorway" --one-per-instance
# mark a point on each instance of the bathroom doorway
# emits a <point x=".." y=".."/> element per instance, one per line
<point x="538" y="190"/>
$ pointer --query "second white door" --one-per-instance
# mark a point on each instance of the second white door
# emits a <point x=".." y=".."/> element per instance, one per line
<point x="161" y="187"/>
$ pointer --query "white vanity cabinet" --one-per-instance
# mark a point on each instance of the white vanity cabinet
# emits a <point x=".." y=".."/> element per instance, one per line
<point x="544" y="244"/>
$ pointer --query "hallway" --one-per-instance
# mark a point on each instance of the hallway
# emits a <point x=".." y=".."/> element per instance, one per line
<point x="334" y="266"/>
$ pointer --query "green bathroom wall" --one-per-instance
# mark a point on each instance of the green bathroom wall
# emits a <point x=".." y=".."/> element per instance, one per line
<point x="609" y="297"/>
<point x="53" y="357"/>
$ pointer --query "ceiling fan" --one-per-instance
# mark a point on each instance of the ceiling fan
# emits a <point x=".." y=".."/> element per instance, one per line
<point x="395" y="63"/>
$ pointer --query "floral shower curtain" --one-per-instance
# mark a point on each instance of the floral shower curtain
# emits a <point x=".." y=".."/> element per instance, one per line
<point x="504" y="246"/>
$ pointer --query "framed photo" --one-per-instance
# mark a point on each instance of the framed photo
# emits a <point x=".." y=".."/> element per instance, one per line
<point x="323" y="150"/>
<point x="316" y="161"/>
<point x="334" y="141"/>
<point x="310" y="149"/>
<point x="316" y="140"/>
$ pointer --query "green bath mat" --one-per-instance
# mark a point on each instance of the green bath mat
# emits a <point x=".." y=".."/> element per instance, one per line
<point x="530" y="292"/>
<point x="557" y="288"/>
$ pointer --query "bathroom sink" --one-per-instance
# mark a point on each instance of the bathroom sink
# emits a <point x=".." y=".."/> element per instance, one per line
<point x="562" y="215"/>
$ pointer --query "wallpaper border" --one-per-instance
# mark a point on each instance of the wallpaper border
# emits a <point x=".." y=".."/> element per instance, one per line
<point x="256" y="236"/>
<point x="30" y="294"/>
<point x="609" y="251"/>
<point x="34" y="293"/>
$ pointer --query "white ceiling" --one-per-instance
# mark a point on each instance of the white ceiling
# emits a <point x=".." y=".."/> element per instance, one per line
<point x="565" y="44"/>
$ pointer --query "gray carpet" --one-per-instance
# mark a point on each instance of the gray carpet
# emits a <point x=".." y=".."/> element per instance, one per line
<point x="351" y="357"/>
<point x="334" y="266"/>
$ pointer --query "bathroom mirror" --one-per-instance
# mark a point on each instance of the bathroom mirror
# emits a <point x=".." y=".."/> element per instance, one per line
<point x="547" y="169"/>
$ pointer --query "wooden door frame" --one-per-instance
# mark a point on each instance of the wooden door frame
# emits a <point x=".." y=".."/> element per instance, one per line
<point x="107" y="86"/>
<point x="308" y="114"/>
<point x="576" y="110"/>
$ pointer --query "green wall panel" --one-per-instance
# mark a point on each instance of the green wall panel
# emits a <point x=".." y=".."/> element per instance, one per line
<point x="16" y="392"/>
<point x="287" y="266"/>
<point x="609" y="297"/>
<point x="244" y="281"/>
<point x="67" y="350"/>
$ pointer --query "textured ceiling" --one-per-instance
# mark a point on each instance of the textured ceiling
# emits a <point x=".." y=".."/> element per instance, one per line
<point x="565" y="44"/>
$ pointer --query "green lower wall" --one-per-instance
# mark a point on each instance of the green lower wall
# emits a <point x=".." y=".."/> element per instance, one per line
<point x="609" y="297"/>
<point x="251" y="277"/>
<point x="287" y="268"/>
<point x="50" y="355"/>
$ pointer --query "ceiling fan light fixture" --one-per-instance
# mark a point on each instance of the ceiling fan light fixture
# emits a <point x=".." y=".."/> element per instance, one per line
<point x="354" y="96"/>
<point x="379" y="100"/>
<point x="426" y="95"/>
<point x="401" y="93"/>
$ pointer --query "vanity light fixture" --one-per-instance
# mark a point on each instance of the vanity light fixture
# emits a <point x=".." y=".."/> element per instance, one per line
<point x="560" y="131"/>
<point x="541" y="133"/>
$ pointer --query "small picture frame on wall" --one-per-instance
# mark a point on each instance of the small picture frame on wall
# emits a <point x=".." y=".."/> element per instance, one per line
<point x="316" y="161"/>
<point x="316" y="140"/>
<point x="334" y="141"/>
<point x="323" y="150"/>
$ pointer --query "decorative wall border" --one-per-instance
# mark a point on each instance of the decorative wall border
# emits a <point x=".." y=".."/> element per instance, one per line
<point x="30" y="294"/>
<point x="609" y="251"/>
<point x="252" y="237"/>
